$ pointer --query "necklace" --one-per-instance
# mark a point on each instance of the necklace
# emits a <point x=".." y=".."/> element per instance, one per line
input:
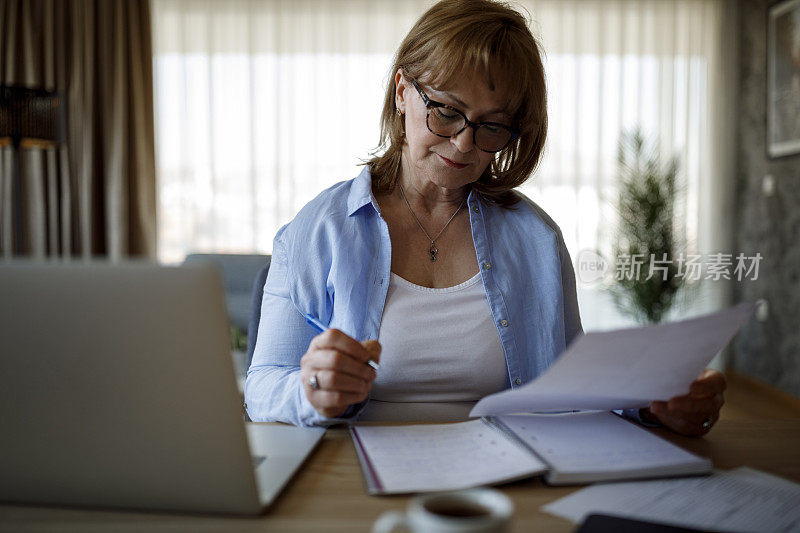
<point x="432" y="250"/>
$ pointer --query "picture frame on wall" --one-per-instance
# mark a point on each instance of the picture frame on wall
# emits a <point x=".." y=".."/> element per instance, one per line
<point x="783" y="79"/>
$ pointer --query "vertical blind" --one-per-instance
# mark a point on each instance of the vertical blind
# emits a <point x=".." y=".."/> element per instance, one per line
<point x="261" y="104"/>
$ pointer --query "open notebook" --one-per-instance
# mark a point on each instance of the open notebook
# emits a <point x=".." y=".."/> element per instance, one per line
<point x="567" y="448"/>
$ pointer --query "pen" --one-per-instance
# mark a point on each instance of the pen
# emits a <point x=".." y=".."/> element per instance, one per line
<point x="317" y="325"/>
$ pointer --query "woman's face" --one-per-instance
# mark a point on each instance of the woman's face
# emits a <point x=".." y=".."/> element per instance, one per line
<point x="454" y="162"/>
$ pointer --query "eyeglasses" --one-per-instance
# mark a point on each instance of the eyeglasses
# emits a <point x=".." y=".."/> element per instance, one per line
<point x="447" y="121"/>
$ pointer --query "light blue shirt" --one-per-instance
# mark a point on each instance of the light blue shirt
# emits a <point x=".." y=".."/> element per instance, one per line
<point x="334" y="262"/>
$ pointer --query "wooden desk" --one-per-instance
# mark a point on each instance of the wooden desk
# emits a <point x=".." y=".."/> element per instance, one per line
<point x="328" y="494"/>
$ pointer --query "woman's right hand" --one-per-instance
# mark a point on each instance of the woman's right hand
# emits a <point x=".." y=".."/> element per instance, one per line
<point x="340" y="365"/>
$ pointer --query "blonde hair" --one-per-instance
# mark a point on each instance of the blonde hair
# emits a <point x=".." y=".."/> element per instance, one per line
<point x="458" y="39"/>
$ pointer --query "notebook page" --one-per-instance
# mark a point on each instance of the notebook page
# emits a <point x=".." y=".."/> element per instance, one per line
<point x="431" y="457"/>
<point x="595" y="442"/>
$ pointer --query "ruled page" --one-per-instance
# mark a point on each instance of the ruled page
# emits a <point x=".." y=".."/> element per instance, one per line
<point x="598" y="442"/>
<point x="431" y="457"/>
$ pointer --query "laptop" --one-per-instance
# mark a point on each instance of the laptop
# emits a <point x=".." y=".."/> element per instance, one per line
<point x="117" y="389"/>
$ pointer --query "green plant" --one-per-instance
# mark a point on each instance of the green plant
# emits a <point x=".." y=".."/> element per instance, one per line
<point x="647" y="234"/>
<point x="238" y="339"/>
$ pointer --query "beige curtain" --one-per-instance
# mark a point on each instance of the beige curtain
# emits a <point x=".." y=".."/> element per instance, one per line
<point x="95" y="194"/>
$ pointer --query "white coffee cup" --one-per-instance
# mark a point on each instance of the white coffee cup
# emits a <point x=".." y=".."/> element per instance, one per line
<point x="473" y="510"/>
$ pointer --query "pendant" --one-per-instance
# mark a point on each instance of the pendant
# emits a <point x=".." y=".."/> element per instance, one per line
<point x="433" y="251"/>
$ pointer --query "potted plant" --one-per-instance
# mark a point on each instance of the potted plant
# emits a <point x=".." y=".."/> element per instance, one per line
<point x="648" y="240"/>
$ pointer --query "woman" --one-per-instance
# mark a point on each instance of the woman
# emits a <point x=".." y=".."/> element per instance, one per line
<point x="464" y="285"/>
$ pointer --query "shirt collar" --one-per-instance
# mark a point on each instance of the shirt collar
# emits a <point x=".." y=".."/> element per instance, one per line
<point x="360" y="192"/>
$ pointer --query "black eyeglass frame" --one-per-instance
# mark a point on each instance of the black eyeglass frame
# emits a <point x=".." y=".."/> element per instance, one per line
<point x="429" y="104"/>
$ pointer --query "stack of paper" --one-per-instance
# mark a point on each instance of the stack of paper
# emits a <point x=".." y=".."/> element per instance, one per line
<point x="600" y="371"/>
<point x="738" y="500"/>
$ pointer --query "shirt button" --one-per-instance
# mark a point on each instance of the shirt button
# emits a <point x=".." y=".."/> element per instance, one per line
<point x="518" y="381"/>
<point x="487" y="265"/>
<point x="504" y="323"/>
<point x="476" y="209"/>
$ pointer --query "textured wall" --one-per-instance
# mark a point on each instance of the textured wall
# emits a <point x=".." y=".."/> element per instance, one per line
<point x="768" y="349"/>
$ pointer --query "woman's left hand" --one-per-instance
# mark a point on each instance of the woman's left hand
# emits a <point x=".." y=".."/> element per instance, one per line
<point x="693" y="414"/>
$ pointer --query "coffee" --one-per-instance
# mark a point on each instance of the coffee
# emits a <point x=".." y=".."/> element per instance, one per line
<point x="473" y="510"/>
<point x="456" y="508"/>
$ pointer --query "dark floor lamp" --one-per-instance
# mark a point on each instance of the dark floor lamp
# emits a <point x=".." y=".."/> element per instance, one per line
<point x="28" y="118"/>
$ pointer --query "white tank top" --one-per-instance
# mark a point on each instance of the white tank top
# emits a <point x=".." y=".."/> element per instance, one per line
<point x="441" y="353"/>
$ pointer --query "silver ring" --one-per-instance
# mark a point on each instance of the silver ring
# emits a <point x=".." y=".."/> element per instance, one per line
<point x="314" y="382"/>
<point x="707" y="423"/>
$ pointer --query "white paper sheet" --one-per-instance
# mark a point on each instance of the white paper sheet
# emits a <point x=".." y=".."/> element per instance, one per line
<point x="737" y="500"/>
<point x="443" y="456"/>
<point x="625" y="368"/>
